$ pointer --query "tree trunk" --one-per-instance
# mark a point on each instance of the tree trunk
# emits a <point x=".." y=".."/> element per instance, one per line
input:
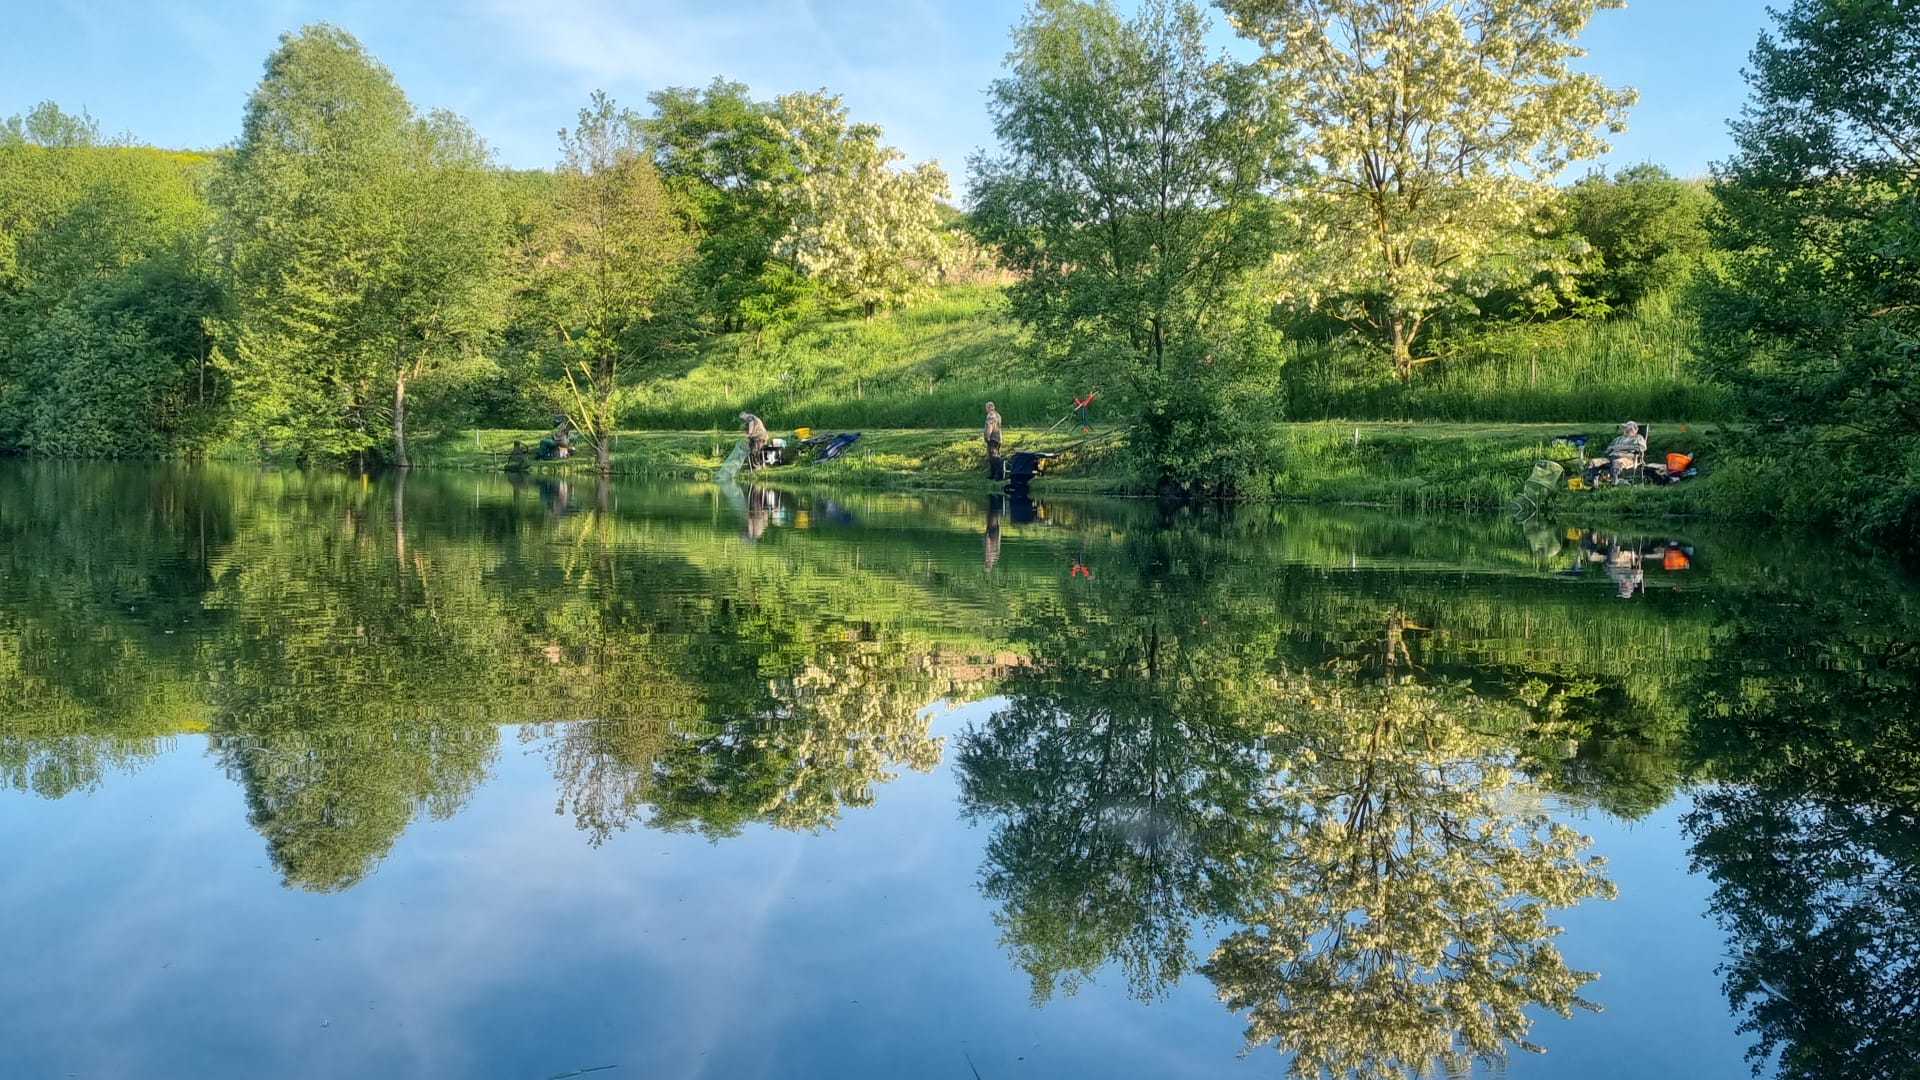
<point x="400" y="421"/>
<point x="603" y="432"/>
<point x="1402" y="349"/>
<point x="870" y="308"/>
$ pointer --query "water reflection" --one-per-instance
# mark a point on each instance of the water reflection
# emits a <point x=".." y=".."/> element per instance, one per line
<point x="1375" y="868"/>
<point x="1811" y="834"/>
<point x="1311" y="761"/>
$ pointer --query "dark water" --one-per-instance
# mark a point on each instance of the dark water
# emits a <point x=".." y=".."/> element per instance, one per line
<point x="305" y="775"/>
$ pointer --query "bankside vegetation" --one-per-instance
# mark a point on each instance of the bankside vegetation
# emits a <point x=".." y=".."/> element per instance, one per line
<point x="1365" y="218"/>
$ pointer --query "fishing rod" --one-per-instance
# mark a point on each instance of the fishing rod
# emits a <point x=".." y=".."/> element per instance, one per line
<point x="1077" y="406"/>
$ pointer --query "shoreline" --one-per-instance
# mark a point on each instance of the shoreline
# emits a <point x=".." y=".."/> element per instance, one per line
<point x="1387" y="465"/>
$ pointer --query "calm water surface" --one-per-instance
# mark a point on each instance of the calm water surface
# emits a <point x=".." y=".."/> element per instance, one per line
<point x="305" y="775"/>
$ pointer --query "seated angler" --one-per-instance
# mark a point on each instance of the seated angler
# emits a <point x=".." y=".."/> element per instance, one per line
<point x="1626" y="451"/>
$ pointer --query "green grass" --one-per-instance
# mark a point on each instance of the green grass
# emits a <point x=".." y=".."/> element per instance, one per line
<point x="933" y="365"/>
<point x="1476" y="467"/>
<point x="914" y="381"/>
<point x="1428" y="466"/>
<point x="1639" y="365"/>
<point x="900" y="458"/>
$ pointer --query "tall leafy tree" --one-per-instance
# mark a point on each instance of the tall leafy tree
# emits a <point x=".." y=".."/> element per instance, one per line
<point x="722" y="154"/>
<point x="1437" y="127"/>
<point x="1814" y="316"/>
<point x="1132" y="197"/>
<point x="609" y="269"/>
<point x="442" y="292"/>
<point x="360" y="242"/>
<point x="863" y="229"/>
<point x="306" y="223"/>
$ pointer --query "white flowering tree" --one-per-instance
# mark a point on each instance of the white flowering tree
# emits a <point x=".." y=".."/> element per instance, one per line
<point x="864" y="229"/>
<point x="1437" y="127"/>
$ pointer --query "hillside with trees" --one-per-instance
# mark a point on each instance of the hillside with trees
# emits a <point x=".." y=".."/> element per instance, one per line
<point x="1376" y="210"/>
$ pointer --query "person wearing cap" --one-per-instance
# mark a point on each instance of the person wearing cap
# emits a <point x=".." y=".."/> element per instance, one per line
<point x="1627" y="449"/>
<point x="992" y="436"/>
<point x="756" y="440"/>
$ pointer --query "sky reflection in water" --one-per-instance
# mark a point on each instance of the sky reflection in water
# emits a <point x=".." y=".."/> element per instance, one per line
<point x="307" y="776"/>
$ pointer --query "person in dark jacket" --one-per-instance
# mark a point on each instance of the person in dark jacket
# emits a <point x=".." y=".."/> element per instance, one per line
<point x="756" y="440"/>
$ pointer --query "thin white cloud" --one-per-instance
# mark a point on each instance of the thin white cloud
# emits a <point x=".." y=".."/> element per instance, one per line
<point x="894" y="63"/>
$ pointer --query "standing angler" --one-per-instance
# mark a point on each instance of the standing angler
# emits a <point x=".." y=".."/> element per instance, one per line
<point x="992" y="436"/>
<point x="756" y="440"/>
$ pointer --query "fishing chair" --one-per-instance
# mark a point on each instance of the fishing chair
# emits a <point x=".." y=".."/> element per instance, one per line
<point x="1632" y="469"/>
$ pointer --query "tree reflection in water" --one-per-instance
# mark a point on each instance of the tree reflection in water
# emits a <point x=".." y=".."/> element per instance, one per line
<point x="1387" y="873"/>
<point x="1214" y="757"/>
<point x="1812" y="836"/>
<point x="1406" y="924"/>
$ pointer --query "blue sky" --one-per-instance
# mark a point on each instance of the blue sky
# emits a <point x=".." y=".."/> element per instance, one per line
<point x="177" y="72"/>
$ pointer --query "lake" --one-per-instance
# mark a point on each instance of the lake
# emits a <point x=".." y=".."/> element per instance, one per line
<point x="312" y="775"/>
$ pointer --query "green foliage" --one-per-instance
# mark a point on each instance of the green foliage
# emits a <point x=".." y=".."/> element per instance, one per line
<point x="305" y="225"/>
<point x="46" y="124"/>
<point x="607" y="278"/>
<point x="722" y="154"/>
<point x="1647" y="230"/>
<point x="363" y="245"/>
<point x="1641" y="363"/>
<point x="1131" y="199"/>
<point x="104" y="297"/>
<point x="866" y="231"/>
<point x="440" y="296"/>
<point x="1814" y="315"/>
<point x="1436" y="129"/>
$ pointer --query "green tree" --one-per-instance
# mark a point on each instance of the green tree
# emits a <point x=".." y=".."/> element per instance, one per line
<point x="609" y="270"/>
<point x="362" y="243"/>
<point x="1647" y="230"/>
<point x="863" y="229"/>
<point x="46" y="124"/>
<point x="441" y="295"/>
<point x="106" y="289"/>
<point x="1814" y="314"/>
<point x="1437" y="129"/>
<point x="38" y="185"/>
<point x="306" y="225"/>
<point x="722" y="154"/>
<point x="1132" y="198"/>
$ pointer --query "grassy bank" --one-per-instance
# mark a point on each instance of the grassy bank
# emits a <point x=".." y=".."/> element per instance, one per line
<point x="1472" y="466"/>
<point x="1463" y="434"/>
<point x="897" y="458"/>
<point x="1403" y="465"/>
<point x="1640" y="364"/>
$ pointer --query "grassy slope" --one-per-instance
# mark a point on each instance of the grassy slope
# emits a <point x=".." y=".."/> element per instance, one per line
<point x="929" y="366"/>
<point x="914" y="381"/>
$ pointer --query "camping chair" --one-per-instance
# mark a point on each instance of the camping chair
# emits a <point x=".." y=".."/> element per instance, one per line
<point x="1633" y="468"/>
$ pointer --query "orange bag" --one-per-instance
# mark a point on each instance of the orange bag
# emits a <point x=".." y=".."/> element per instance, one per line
<point x="1675" y="559"/>
<point x="1678" y="462"/>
